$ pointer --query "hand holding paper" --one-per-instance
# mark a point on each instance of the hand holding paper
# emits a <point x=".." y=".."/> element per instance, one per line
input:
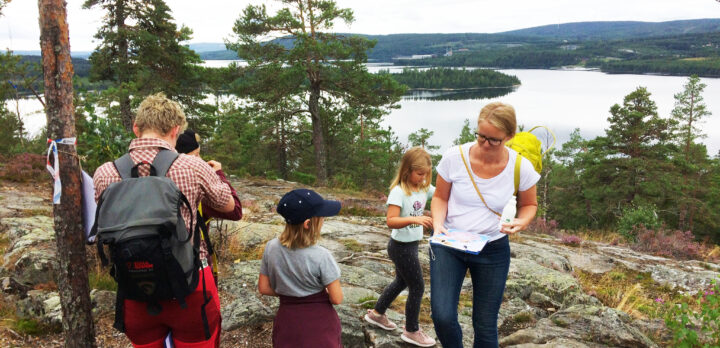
<point x="464" y="241"/>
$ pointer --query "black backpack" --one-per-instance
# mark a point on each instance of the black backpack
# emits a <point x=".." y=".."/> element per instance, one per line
<point x="153" y="257"/>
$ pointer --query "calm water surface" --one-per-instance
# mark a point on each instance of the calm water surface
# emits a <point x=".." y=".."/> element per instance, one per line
<point x="560" y="99"/>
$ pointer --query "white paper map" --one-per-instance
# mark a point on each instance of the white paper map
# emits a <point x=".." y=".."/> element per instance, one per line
<point x="465" y="241"/>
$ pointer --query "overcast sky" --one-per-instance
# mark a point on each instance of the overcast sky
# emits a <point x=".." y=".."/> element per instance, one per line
<point x="212" y="20"/>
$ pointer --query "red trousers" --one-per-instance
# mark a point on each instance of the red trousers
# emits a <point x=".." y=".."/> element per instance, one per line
<point x="186" y="325"/>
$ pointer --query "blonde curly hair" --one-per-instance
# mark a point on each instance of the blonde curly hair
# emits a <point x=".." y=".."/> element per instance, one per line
<point x="159" y="114"/>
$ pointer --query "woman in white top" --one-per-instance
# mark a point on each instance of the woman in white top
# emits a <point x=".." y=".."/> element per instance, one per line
<point x="456" y="204"/>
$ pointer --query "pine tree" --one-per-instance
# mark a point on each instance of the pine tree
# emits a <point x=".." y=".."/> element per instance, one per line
<point x="10" y="122"/>
<point x="140" y="51"/>
<point x="568" y="201"/>
<point x="466" y="134"/>
<point x="689" y="112"/>
<point x="420" y="138"/>
<point x="628" y="165"/>
<point x="307" y="62"/>
<point x="692" y="162"/>
<point x="72" y="277"/>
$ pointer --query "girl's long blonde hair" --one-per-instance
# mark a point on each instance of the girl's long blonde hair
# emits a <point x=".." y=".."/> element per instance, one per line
<point x="414" y="159"/>
<point x="297" y="236"/>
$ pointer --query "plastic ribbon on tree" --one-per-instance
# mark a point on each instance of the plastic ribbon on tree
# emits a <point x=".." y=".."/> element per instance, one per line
<point x="54" y="168"/>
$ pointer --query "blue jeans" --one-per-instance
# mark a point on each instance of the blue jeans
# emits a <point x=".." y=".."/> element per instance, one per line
<point x="488" y="271"/>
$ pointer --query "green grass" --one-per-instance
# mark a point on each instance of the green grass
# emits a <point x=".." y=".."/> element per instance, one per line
<point x="100" y="279"/>
<point x="633" y="292"/>
<point x="368" y="302"/>
<point x="28" y="327"/>
<point x="352" y="245"/>
<point x="523" y="317"/>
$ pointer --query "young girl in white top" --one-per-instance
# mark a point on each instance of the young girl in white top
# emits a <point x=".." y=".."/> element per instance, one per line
<point x="409" y="192"/>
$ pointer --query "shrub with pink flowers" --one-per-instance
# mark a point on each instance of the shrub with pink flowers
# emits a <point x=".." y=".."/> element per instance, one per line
<point x="543" y="226"/>
<point x="25" y="167"/>
<point x="571" y="240"/>
<point x="672" y="244"/>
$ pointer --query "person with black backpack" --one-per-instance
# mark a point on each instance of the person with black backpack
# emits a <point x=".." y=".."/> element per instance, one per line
<point x="144" y="227"/>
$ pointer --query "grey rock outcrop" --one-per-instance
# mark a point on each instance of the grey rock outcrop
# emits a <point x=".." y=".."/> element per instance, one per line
<point x="585" y="324"/>
<point x="40" y="305"/>
<point x="31" y="258"/>
<point x="245" y="307"/>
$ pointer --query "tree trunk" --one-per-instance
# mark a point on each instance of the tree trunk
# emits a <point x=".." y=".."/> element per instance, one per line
<point x="318" y="138"/>
<point x="282" y="155"/>
<point x="544" y="197"/>
<point x="72" y="277"/>
<point x="682" y="213"/>
<point x="123" y="67"/>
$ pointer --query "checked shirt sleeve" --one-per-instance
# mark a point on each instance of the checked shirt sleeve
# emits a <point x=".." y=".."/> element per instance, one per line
<point x="216" y="193"/>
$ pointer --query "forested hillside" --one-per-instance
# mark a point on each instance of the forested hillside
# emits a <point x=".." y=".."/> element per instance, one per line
<point x="619" y="30"/>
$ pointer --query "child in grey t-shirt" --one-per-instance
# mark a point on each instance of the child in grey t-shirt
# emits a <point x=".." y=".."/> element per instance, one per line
<point x="303" y="274"/>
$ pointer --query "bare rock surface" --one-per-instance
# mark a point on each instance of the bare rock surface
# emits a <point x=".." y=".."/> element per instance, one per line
<point x="544" y="303"/>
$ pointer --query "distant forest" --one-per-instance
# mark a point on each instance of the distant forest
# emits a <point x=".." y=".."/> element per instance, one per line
<point x="686" y="54"/>
<point x="614" y="47"/>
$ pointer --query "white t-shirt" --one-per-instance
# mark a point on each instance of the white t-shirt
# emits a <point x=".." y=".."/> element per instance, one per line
<point x="412" y="205"/>
<point x="466" y="211"/>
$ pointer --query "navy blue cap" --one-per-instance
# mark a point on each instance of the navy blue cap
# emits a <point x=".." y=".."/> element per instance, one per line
<point x="299" y="205"/>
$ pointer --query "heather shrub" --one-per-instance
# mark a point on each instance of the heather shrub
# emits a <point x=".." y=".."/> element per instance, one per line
<point x="353" y="207"/>
<point x="671" y="244"/>
<point x="571" y="240"/>
<point x="25" y="167"/>
<point x="696" y="327"/>
<point x="543" y="226"/>
<point x="634" y="218"/>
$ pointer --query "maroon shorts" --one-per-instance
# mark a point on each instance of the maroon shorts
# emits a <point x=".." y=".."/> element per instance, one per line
<point x="305" y="322"/>
<point x="186" y="325"/>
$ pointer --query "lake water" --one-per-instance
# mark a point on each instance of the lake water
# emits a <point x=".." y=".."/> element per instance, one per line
<point x="559" y="99"/>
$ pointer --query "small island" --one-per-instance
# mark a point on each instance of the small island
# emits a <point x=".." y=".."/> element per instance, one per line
<point x="455" y="79"/>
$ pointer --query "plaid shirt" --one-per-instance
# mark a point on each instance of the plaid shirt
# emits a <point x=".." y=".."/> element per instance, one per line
<point x="195" y="179"/>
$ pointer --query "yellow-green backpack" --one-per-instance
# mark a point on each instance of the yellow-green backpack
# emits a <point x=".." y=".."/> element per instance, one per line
<point x="529" y="146"/>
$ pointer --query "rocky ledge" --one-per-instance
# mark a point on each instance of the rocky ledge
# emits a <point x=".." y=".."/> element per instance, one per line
<point x="545" y="304"/>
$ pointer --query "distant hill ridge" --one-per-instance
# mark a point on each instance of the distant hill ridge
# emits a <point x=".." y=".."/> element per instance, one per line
<point x="391" y="45"/>
<point x="620" y="30"/>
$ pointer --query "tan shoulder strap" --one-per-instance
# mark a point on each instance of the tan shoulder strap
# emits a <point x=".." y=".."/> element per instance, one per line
<point x="472" y="180"/>
<point x="518" y="161"/>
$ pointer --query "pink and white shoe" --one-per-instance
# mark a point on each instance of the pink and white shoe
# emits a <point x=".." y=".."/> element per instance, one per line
<point x="379" y="320"/>
<point x="418" y="338"/>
